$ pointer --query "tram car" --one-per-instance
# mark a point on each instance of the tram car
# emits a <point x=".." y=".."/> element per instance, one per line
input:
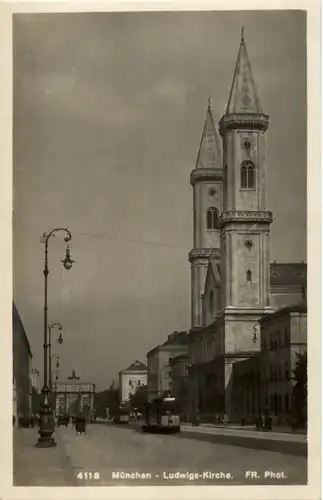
<point x="122" y="416"/>
<point x="162" y="415"/>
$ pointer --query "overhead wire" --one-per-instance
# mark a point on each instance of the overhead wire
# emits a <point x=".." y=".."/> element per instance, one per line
<point x="116" y="238"/>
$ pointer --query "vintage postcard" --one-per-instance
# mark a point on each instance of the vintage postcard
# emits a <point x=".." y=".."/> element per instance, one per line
<point x="163" y="195"/>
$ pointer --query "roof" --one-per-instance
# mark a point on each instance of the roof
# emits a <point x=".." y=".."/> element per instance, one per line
<point x="300" y="308"/>
<point x="176" y="338"/>
<point x="209" y="155"/>
<point x="291" y="273"/>
<point x="18" y="327"/>
<point x="136" y="366"/>
<point x="243" y="96"/>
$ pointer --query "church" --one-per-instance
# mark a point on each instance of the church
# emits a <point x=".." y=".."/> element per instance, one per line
<point x="233" y="283"/>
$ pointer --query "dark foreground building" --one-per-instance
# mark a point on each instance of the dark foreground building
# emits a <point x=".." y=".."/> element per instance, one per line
<point x="21" y="357"/>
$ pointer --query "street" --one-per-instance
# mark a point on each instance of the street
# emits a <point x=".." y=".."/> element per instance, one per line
<point x="109" y="455"/>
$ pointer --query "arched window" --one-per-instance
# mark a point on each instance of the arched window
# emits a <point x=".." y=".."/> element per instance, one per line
<point x="243" y="176"/>
<point x="247" y="175"/>
<point x="211" y="301"/>
<point x="249" y="275"/>
<point x="212" y="216"/>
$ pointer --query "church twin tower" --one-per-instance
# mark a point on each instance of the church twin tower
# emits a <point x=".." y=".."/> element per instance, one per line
<point x="231" y="221"/>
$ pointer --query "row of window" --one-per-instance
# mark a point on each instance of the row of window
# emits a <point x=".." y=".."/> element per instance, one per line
<point x="275" y="340"/>
<point x="276" y="402"/>
<point x="206" y="350"/>
<point x="278" y="371"/>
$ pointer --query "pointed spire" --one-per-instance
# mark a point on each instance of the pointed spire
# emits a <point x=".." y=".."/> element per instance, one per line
<point x="243" y="95"/>
<point x="209" y="155"/>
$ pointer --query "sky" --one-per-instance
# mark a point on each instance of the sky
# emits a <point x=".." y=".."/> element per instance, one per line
<point x="108" y="115"/>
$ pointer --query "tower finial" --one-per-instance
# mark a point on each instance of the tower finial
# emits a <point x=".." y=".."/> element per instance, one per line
<point x="242" y="33"/>
<point x="209" y="102"/>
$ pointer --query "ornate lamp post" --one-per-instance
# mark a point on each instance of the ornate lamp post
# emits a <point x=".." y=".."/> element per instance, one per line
<point x="47" y="425"/>
<point x="60" y="341"/>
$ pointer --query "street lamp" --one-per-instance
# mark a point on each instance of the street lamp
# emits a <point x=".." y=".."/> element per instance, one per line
<point x="47" y="425"/>
<point x="59" y="341"/>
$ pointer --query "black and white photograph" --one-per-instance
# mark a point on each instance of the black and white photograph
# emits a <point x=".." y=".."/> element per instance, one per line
<point x="160" y="262"/>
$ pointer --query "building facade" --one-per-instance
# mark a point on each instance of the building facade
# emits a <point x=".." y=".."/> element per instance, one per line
<point x="131" y="379"/>
<point x="22" y="367"/>
<point x="159" y="379"/>
<point x="35" y="380"/>
<point x="283" y="336"/>
<point x="179" y="383"/>
<point x="234" y="285"/>
<point x="247" y="389"/>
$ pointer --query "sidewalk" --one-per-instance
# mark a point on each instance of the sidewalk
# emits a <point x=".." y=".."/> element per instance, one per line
<point x="277" y="429"/>
<point x="281" y="442"/>
<point x="246" y="433"/>
<point x="39" y="466"/>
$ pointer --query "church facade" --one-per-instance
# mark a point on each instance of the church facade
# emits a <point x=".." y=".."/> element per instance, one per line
<point x="233" y="284"/>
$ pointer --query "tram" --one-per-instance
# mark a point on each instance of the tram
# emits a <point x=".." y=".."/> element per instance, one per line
<point x="121" y="416"/>
<point x="162" y="415"/>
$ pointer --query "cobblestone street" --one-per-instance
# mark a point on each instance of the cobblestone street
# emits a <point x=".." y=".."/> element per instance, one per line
<point x="107" y="452"/>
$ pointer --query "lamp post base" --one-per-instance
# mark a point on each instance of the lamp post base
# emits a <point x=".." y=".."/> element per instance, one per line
<point x="46" y="442"/>
<point x="46" y="427"/>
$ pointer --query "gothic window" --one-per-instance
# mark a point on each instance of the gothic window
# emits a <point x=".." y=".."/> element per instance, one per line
<point x="211" y="301"/>
<point x="247" y="175"/>
<point x="212" y="216"/>
<point x="249" y="275"/>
